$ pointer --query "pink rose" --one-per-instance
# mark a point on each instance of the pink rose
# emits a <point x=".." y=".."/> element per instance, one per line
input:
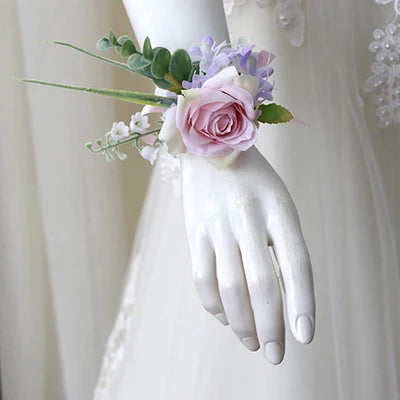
<point x="219" y="118"/>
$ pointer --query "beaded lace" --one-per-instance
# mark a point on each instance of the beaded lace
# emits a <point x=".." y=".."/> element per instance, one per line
<point x="384" y="83"/>
<point x="288" y="15"/>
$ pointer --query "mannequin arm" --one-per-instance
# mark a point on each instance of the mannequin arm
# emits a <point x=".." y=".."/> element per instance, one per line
<point x="231" y="215"/>
<point x="175" y="23"/>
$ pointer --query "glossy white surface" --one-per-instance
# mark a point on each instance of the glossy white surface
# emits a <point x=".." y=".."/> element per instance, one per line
<point x="231" y="215"/>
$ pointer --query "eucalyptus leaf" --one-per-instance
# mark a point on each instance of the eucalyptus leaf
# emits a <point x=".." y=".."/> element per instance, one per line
<point x="162" y="84"/>
<point x="180" y="65"/>
<point x="112" y="38"/>
<point x="147" y="70"/>
<point x="160" y="64"/>
<point x="103" y="44"/>
<point x="128" y="48"/>
<point x="137" y="63"/>
<point x="147" y="49"/>
<point x="274" y="114"/>
<point x="122" y="39"/>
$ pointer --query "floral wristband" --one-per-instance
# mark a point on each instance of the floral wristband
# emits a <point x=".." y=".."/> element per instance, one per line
<point x="214" y="98"/>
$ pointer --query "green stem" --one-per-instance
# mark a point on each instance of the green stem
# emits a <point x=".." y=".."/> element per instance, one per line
<point x="107" y="60"/>
<point x="176" y="86"/>
<point x="119" y="142"/>
<point x="124" y="95"/>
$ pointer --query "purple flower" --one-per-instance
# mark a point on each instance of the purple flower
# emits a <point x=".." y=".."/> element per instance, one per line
<point x="213" y="58"/>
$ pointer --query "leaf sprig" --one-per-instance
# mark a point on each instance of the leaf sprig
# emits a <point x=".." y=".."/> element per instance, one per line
<point x="167" y="70"/>
<point x="108" y="147"/>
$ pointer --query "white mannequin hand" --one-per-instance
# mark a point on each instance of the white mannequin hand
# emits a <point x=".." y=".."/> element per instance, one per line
<point x="231" y="215"/>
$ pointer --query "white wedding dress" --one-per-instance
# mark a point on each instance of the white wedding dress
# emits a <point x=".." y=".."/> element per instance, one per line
<point x="344" y="176"/>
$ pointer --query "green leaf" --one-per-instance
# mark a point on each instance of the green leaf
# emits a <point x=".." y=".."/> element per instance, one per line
<point x="175" y="86"/>
<point x="195" y="70"/>
<point x="137" y="63"/>
<point x="162" y="84"/>
<point x="180" y="65"/>
<point x="112" y="38"/>
<point x="103" y="44"/>
<point x="274" y="114"/>
<point x="147" y="71"/>
<point x="124" y="95"/>
<point x="160" y="64"/>
<point x="109" y="156"/>
<point x="147" y="49"/>
<point x="128" y="48"/>
<point x="117" y="49"/>
<point x="122" y="39"/>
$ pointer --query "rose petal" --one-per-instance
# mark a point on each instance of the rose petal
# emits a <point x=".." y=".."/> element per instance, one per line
<point x="170" y="132"/>
<point x="151" y="109"/>
<point x="198" y="137"/>
<point x="200" y="118"/>
<point x="230" y="76"/>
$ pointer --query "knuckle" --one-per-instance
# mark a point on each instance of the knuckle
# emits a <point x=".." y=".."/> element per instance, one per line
<point x="243" y="202"/>
<point x="200" y="230"/>
<point x="261" y="282"/>
<point x="263" y="287"/>
<point x="230" y="287"/>
<point x="295" y="262"/>
<point x="282" y="208"/>
<point x="197" y="233"/>
<point x="202" y="280"/>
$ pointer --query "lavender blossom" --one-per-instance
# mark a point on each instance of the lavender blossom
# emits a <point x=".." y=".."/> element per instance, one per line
<point x="214" y="57"/>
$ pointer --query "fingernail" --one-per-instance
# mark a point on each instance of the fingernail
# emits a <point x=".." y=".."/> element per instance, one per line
<point x="251" y="343"/>
<point x="222" y="318"/>
<point x="274" y="352"/>
<point x="304" y="329"/>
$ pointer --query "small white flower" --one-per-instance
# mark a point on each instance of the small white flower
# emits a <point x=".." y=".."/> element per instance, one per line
<point x="139" y="123"/>
<point x="150" y="153"/>
<point x="118" y="131"/>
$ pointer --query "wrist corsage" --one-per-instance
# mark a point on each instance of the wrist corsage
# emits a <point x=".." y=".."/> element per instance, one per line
<point x="211" y="99"/>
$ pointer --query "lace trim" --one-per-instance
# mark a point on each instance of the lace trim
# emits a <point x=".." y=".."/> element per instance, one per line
<point x="115" y="349"/>
<point x="170" y="170"/>
<point x="288" y="15"/>
<point x="384" y="83"/>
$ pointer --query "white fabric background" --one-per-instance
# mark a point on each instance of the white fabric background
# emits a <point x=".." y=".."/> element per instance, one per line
<point x="343" y="173"/>
<point x="67" y="217"/>
<point x="67" y="222"/>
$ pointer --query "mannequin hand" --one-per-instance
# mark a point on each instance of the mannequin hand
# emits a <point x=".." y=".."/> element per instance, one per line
<point x="231" y="216"/>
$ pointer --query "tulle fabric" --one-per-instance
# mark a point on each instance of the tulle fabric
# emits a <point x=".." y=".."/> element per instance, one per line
<point x="343" y="174"/>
